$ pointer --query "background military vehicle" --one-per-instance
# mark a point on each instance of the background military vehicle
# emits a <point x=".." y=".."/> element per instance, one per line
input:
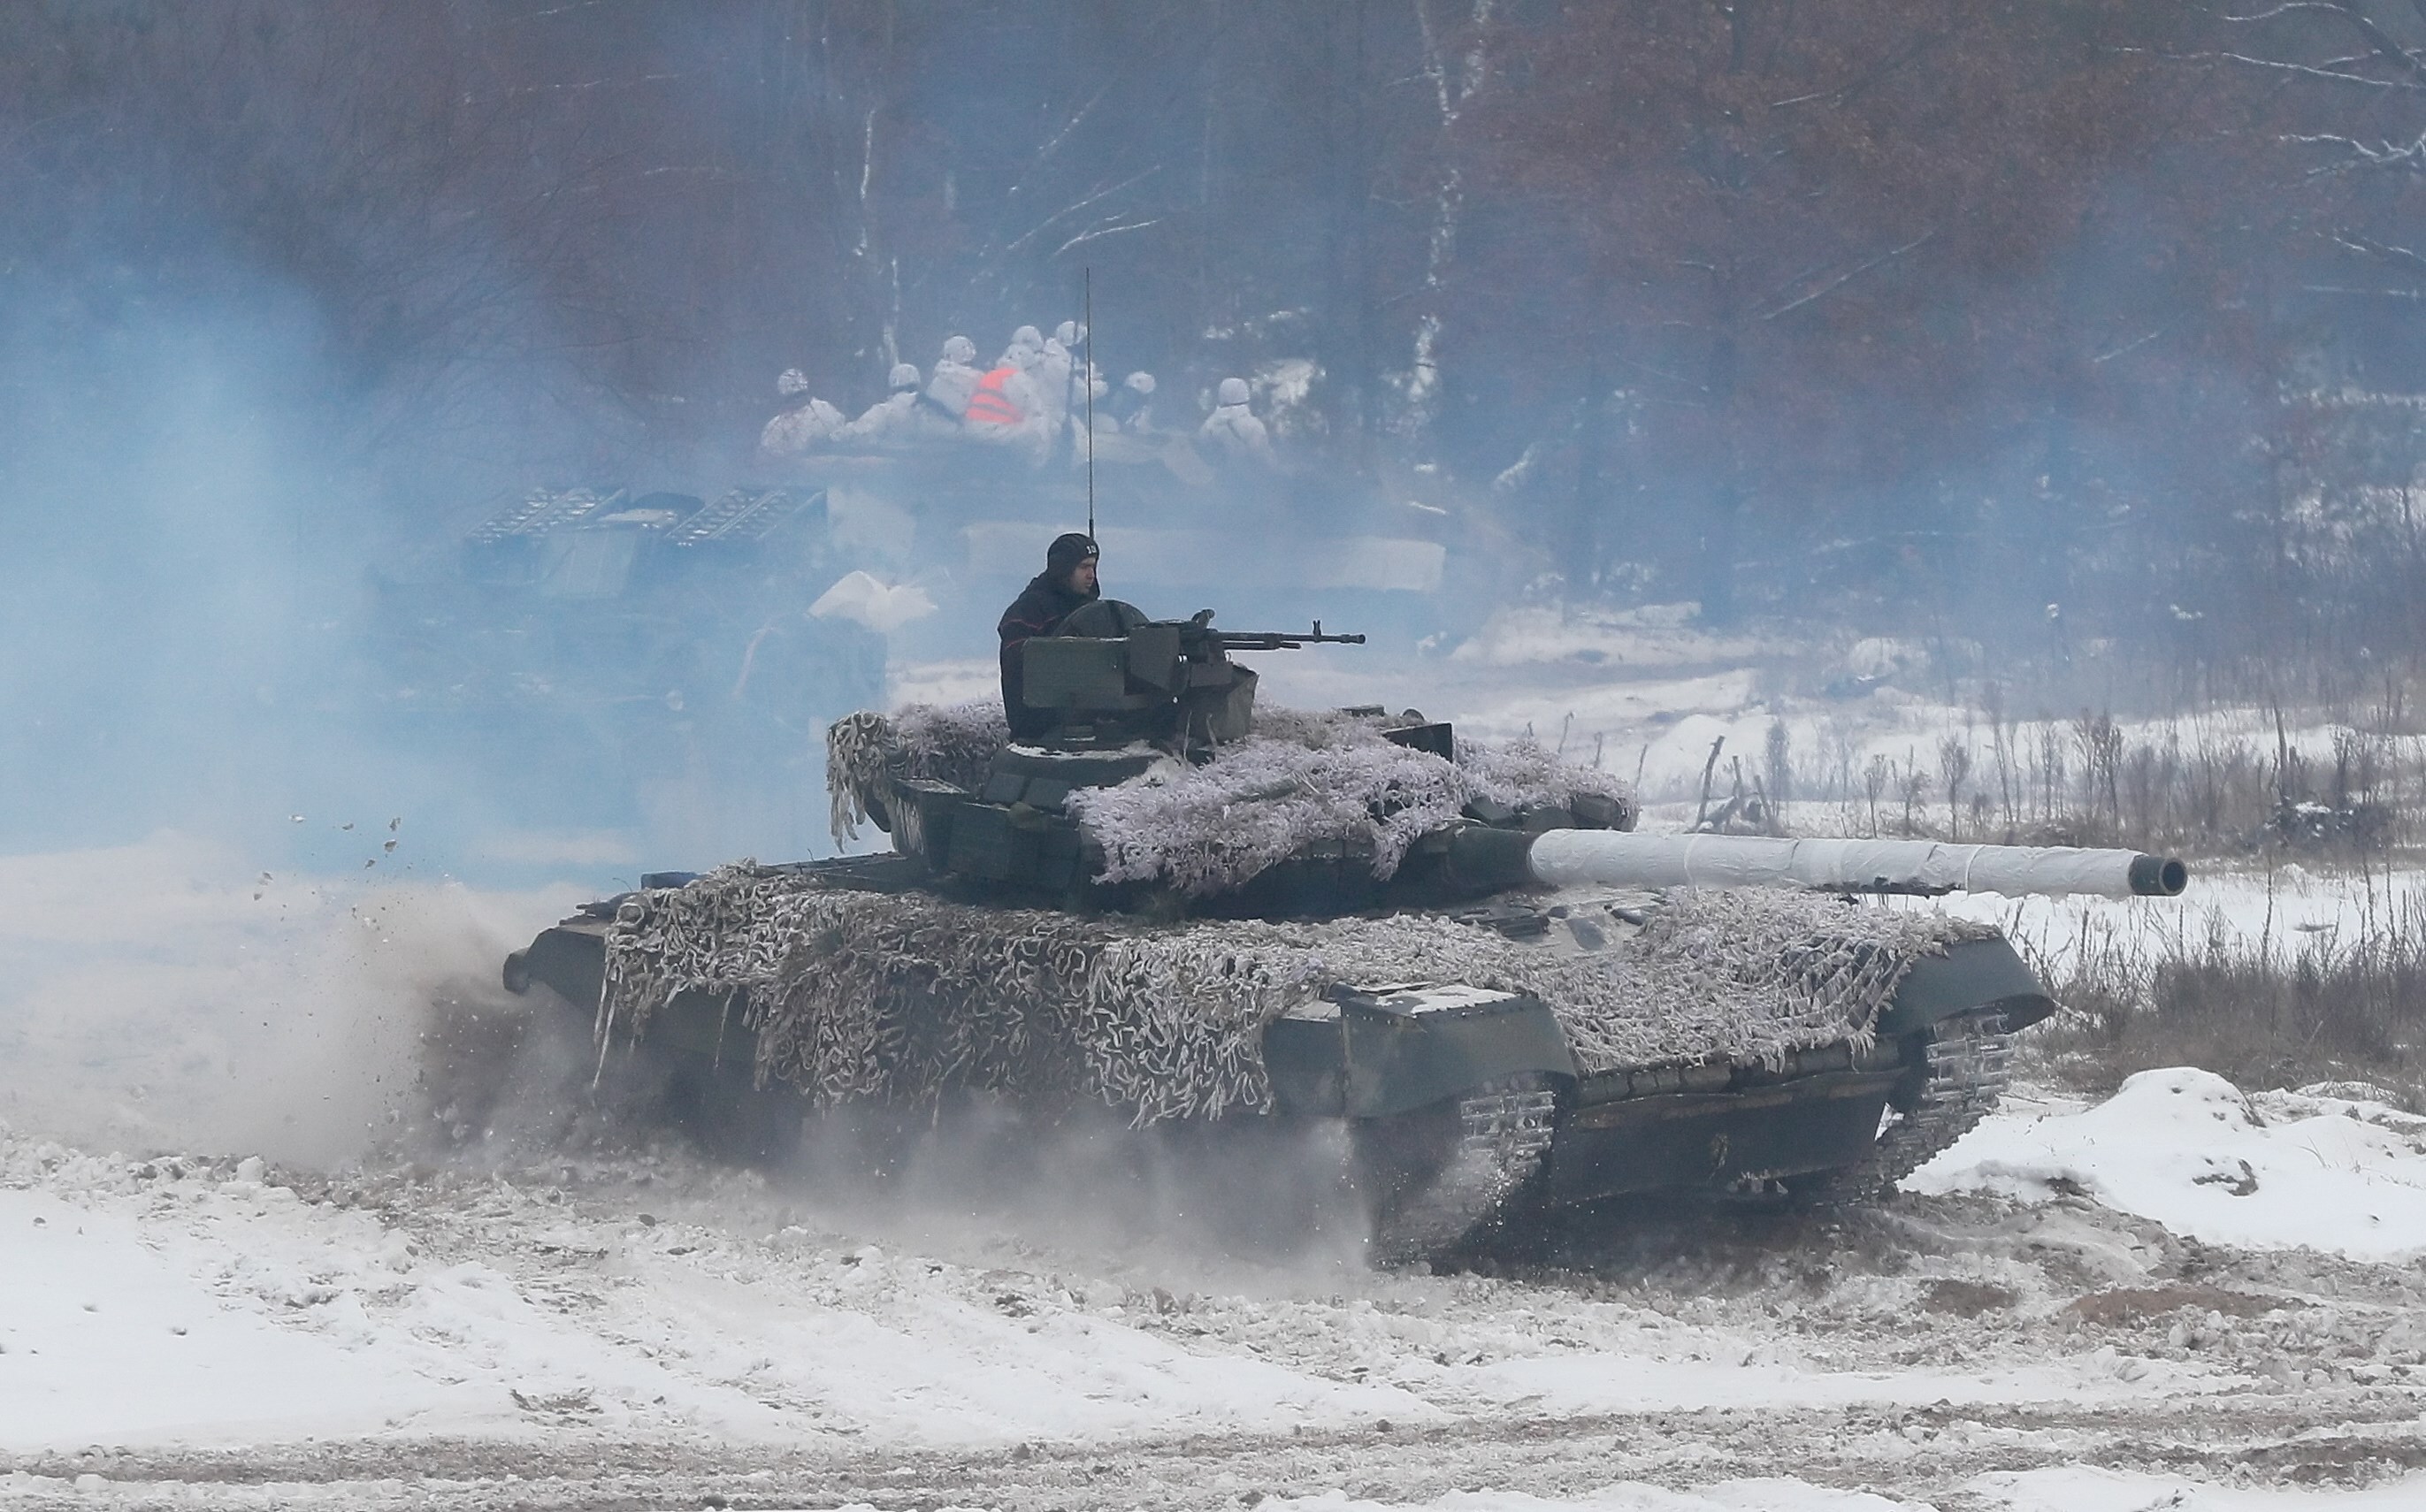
<point x="1528" y="1005"/>
<point x="590" y="639"/>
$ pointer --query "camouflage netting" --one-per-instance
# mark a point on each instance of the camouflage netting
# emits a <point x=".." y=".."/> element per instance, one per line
<point x="1301" y="778"/>
<point x="1204" y="829"/>
<point x="868" y="995"/>
<point x="951" y="742"/>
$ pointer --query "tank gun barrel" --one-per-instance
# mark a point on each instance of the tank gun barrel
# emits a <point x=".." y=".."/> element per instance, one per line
<point x="1622" y="858"/>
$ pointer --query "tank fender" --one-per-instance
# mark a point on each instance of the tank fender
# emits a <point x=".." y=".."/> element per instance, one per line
<point x="1374" y="1052"/>
<point x="569" y="957"/>
<point x="1972" y="974"/>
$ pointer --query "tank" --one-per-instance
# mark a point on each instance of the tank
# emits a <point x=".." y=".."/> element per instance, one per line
<point x="1194" y="912"/>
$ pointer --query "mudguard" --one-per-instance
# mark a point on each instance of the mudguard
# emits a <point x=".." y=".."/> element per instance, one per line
<point x="1972" y="974"/>
<point x="1377" y="1052"/>
<point x="569" y="957"/>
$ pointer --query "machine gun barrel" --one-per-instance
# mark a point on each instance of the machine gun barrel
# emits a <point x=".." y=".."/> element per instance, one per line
<point x="1622" y="858"/>
<point x="1275" y="639"/>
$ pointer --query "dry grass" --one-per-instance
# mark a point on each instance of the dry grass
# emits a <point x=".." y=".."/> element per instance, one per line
<point x="2328" y="1007"/>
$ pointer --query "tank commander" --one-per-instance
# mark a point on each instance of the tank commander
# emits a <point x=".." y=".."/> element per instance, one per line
<point x="1067" y="581"/>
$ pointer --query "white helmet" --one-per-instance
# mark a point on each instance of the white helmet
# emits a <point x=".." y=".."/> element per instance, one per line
<point x="959" y="349"/>
<point x="792" y="382"/>
<point x="1028" y="336"/>
<point x="903" y="377"/>
<point x="1069" y="333"/>
<point x="1234" y="391"/>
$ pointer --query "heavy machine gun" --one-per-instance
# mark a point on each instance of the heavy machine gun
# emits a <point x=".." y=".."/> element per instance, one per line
<point x="1111" y="677"/>
<point x="1199" y="630"/>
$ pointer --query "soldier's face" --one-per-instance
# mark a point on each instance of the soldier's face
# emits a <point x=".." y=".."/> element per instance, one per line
<point x="1082" y="577"/>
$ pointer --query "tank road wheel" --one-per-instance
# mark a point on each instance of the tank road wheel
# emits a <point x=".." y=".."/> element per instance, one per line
<point x="1957" y="1071"/>
<point x="1434" y="1176"/>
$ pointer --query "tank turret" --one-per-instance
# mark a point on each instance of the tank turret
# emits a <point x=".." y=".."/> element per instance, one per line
<point x="1156" y="708"/>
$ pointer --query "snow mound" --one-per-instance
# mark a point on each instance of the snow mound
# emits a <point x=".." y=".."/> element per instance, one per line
<point x="2065" y="1488"/>
<point x="866" y="599"/>
<point x="1766" y="1494"/>
<point x="2084" y="1488"/>
<point x="2185" y="1148"/>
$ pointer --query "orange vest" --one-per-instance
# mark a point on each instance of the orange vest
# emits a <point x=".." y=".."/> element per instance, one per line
<point x="990" y="405"/>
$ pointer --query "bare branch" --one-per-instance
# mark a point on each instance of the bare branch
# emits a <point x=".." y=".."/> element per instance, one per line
<point x="2275" y="65"/>
<point x="2380" y="154"/>
<point x="2131" y="345"/>
<point x="2377" y="37"/>
<point x="2284" y="9"/>
<point x="1067" y="211"/>
<point x="1849" y="275"/>
<point x="2364" y="294"/>
<point x="1102" y="232"/>
<point x="2369" y="247"/>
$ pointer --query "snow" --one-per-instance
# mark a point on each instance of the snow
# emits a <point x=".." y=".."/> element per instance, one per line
<point x="1768" y="1494"/>
<point x="2077" y="1488"/>
<point x="1656" y="635"/>
<point x="386" y="1306"/>
<point x="2085" y="1488"/>
<point x="171" y="994"/>
<point x="866" y="599"/>
<point x="2241" y="912"/>
<point x="112" y="1330"/>
<point x="2184" y="1146"/>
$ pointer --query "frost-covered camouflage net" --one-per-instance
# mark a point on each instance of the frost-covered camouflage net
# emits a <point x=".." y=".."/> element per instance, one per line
<point x="1204" y="829"/>
<point x="942" y="742"/>
<point x="1524" y="774"/>
<point x="1301" y="778"/>
<point x="868" y="995"/>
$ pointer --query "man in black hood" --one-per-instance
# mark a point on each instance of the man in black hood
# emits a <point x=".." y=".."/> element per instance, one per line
<point x="1067" y="581"/>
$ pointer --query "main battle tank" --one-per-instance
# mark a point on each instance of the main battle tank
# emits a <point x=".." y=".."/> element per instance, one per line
<point x="1188" y="909"/>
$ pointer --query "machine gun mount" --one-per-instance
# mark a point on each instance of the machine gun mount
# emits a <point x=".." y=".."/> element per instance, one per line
<point x="1113" y="678"/>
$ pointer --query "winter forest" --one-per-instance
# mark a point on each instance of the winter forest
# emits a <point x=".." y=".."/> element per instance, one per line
<point x="1948" y="313"/>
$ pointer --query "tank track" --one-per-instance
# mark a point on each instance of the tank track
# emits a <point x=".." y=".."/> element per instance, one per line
<point x="1969" y="1063"/>
<point x="1504" y="1132"/>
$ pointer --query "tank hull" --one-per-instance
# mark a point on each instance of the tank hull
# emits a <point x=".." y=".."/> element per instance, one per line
<point x="1405" y="1069"/>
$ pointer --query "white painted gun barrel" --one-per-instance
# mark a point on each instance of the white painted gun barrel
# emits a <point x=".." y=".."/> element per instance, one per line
<point x="1611" y="857"/>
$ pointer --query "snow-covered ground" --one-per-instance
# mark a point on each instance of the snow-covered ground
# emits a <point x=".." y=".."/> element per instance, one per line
<point x="644" y="1327"/>
<point x="2184" y="1146"/>
<point x="2184" y="1287"/>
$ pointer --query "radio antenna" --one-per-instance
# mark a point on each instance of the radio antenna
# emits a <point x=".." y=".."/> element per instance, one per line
<point x="1088" y="346"/>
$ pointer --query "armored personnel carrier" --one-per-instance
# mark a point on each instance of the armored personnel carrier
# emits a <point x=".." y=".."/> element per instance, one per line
<point x="1188" y="909"/>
